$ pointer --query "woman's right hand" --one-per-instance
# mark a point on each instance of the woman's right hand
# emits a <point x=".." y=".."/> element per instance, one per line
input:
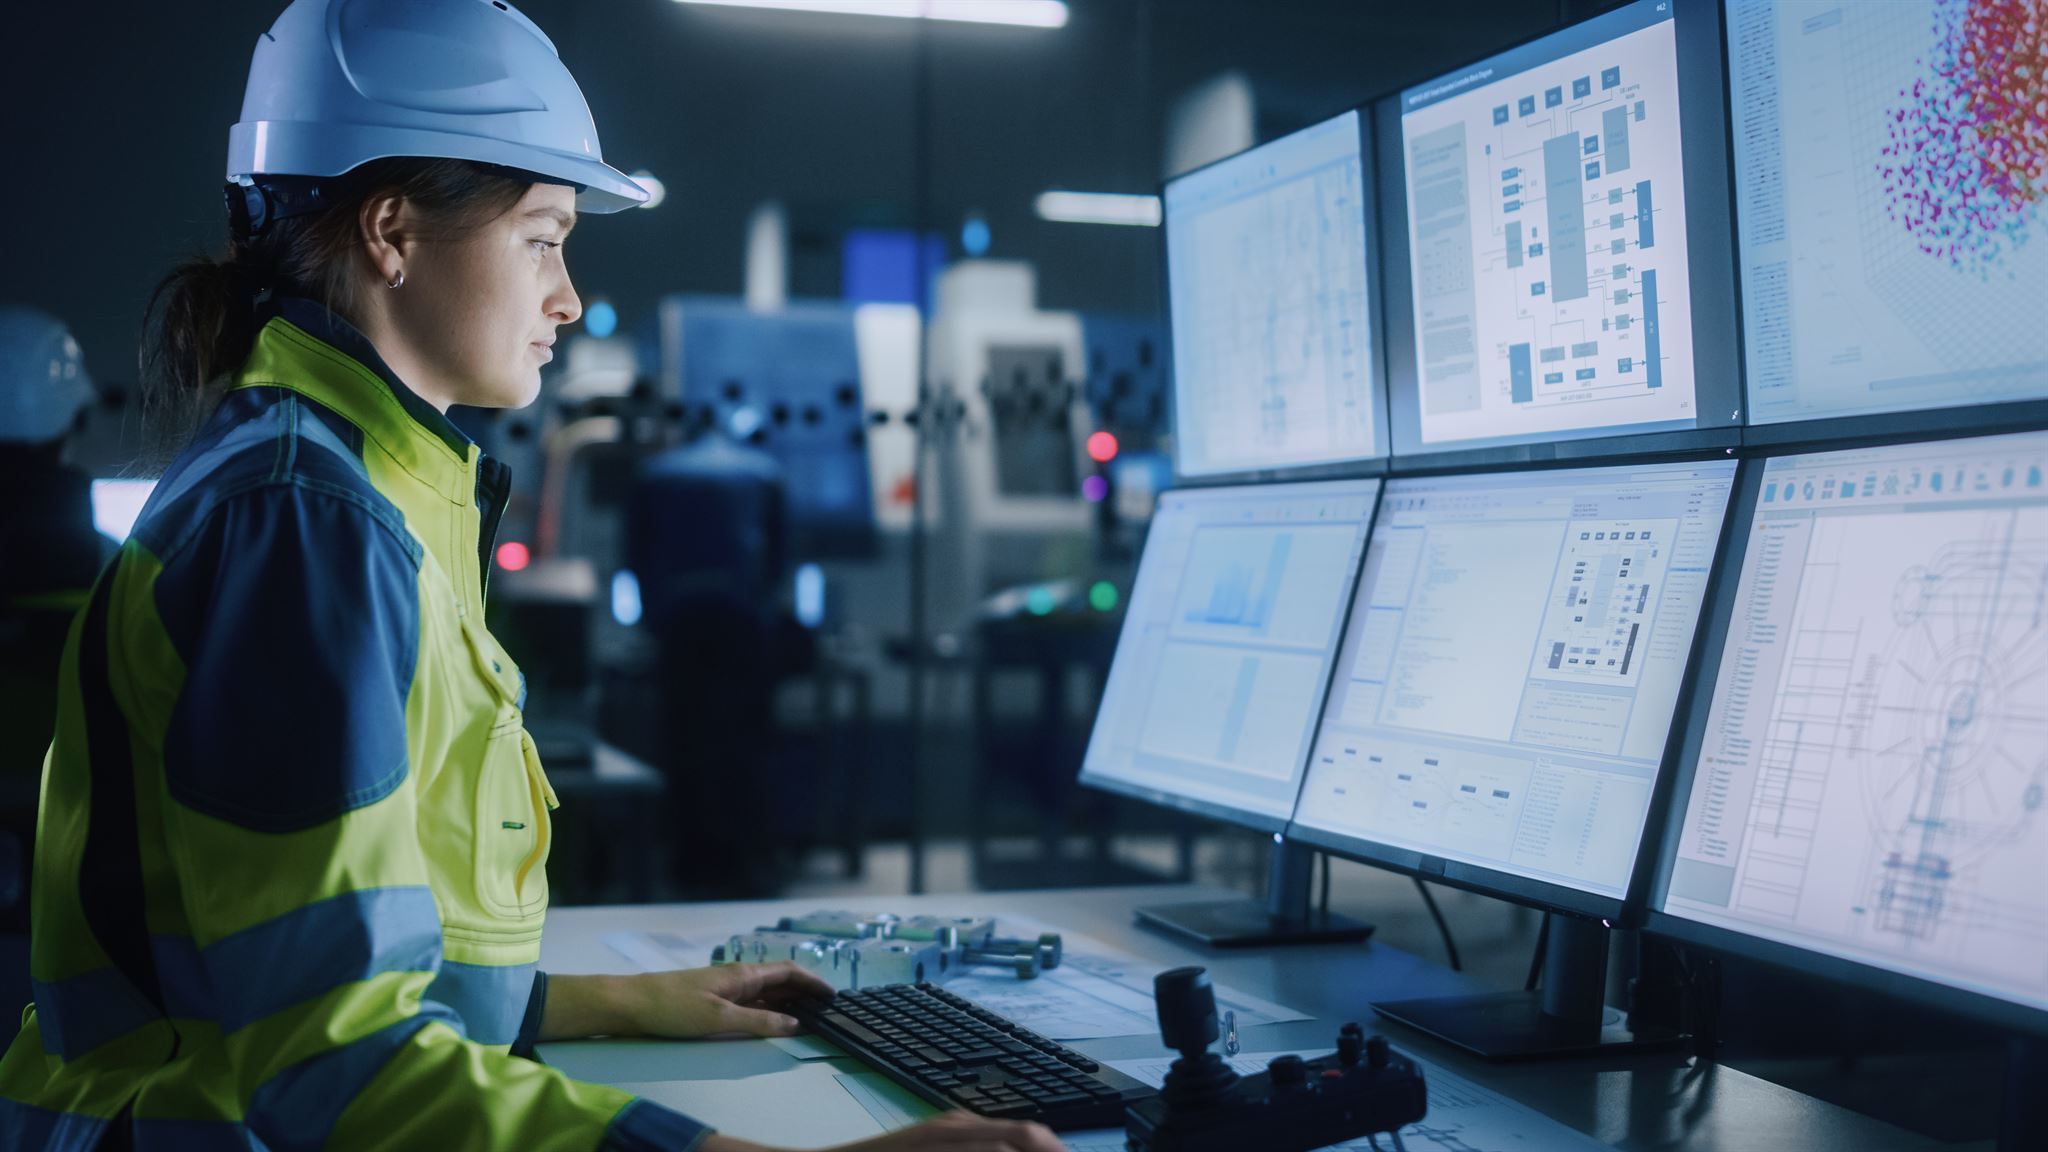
<point x="952" y="1132"/>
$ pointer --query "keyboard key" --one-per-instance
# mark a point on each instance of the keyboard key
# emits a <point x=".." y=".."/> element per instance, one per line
<point x="1010" y="1111"/>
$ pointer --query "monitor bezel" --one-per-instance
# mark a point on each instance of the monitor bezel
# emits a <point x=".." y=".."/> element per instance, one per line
<point x="1710" y="230"/>
<point x="1691" y="735"/>
<point x="1627" y="909"/>
<point x="1374" y="464"/>
<point x="1212" y="809"/>
<point x="1821" y="433"/>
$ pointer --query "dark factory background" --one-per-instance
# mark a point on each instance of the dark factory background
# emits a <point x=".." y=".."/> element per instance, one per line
<point x="787" y="631"/>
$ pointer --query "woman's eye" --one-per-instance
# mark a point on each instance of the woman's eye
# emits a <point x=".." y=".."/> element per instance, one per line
<point x="542" y="246"/>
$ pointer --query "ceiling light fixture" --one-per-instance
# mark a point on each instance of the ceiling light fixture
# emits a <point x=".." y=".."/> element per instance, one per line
<point x="1099" y="208"/>
<point x="1018" y="13"/>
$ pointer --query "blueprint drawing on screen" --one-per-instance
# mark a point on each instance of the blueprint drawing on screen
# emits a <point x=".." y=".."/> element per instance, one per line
<point x="1872" y="779"/>
<point x="1546" y="215"/>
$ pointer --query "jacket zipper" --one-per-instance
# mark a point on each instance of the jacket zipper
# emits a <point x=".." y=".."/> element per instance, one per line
<point x="493" y="488"/>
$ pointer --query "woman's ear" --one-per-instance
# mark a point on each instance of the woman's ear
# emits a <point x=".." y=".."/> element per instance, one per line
<point x="384" y="225"/>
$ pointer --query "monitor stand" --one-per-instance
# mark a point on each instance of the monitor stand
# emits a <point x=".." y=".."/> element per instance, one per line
<point x="1569" y="1016"/>
<point x="1287" y="916"/>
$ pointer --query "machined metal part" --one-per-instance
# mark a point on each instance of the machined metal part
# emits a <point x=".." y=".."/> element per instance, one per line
<point x="1049" y="949"/>
<point x="970" y="931"/>
<point x="841" y="962"/>
<point x="867" y="949"/>
<point x="1025" y="964"/>
<point x="842" y="924"/>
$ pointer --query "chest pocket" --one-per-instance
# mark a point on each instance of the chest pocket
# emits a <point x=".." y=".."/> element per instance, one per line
<point x="513" y="798"/>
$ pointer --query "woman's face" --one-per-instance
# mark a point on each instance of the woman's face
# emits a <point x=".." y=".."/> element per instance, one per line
<point x="477" y="313"/>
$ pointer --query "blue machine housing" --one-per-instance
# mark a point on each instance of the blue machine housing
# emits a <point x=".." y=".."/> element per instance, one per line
<point x="787" y="383"/>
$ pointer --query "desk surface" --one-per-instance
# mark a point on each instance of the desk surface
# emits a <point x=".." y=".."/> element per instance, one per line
<point x="1653" y="1101"/>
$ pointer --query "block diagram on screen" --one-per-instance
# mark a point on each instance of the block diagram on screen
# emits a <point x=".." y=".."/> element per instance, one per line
<point x="1548" y="243"/>
<point x="1604" y="599"/>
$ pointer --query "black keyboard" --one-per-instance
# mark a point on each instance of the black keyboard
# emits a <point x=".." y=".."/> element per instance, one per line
<point x="957" y="1054"/>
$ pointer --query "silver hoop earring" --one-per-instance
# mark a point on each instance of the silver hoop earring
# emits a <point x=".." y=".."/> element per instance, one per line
<point x="397" y="281"/>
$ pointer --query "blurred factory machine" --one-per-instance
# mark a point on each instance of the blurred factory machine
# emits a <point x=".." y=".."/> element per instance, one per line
<point x="706" y="568"/>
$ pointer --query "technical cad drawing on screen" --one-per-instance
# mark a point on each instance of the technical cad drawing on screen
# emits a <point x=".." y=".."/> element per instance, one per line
<point x="1547" y="237"/>
<point x="1871" y="779"/>
<point x="1891" y="203"/>
<point x="1227" y="643"/>
<point x="1273" y="362"/>
<point x="1517" y="642"/>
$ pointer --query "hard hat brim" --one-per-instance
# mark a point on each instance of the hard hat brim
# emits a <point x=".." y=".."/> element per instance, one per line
<point x="292" y="148"/>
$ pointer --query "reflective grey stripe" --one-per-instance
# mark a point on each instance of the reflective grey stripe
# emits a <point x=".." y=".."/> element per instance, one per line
<point x="79" y="1013"/>
<point x="26" y="1126"/>
<point x="292" y="958"/>
<point x="491" y="1000"/>
<point x="298" y="1107"/>
<point x="187" y="993"/>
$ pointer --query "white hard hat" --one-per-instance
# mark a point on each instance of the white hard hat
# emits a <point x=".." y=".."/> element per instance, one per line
<point x="43" y="384"/>
<point x="337" y="83"/>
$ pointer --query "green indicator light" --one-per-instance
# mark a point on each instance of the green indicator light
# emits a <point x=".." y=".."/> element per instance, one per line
<point x="1039" y="601"/>
<point x="1102" y="596"/>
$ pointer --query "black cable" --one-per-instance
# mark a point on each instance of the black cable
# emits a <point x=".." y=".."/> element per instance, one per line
<point x="1443" y="926"/>
<point x="919" y="583"/>
<point x="1536" y="961"/>
<point x="1325" y="901"/>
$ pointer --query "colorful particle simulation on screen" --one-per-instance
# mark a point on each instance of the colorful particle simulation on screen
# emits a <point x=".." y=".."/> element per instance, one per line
<point x="1966" y="168"/>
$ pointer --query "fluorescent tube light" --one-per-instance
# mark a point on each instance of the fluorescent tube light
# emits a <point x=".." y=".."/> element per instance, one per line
<point x="1099" y="208"/>
<point x="1022" y="13"/>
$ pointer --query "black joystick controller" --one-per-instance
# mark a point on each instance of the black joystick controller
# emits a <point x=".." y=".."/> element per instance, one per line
<point x="1186" y="1004"/>
<point x="1295" y="1105"/>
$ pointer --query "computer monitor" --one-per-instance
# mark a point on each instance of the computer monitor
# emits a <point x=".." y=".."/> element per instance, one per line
<point x="1556" y="225"/>
<point x="1270" y="293"/>
<point x="1894" y="247"/>
<point x="117" y="505"/>
<point x="1863" y="796"/>
<point x="1503" y="701"/>
<point x="1226" y="650"/>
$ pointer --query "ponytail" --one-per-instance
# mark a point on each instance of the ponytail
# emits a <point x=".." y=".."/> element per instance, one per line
<point x="203" y="317"/>
<point x="199" y="327"/>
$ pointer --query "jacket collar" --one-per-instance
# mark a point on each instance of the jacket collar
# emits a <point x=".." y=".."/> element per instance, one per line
<point x="305" y="347"/>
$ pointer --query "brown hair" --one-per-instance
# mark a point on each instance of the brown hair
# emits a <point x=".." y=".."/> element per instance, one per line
<point x="201" y="320"/>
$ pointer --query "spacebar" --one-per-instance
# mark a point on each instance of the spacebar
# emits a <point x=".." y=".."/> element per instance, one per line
<point x="852" y="1030"/>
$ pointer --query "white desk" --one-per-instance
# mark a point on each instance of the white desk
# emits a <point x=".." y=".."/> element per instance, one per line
<point x="755" y="1091"/>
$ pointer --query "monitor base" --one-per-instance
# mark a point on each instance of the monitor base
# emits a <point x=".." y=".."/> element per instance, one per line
<point x="1514" y="1026"/>
<point x="1250" y="924"/>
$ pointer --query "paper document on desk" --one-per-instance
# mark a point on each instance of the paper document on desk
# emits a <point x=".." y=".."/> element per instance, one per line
<point x="1463" y="1117"/>
<point x="808" y="1047"/>
<point x="657" y="951"/>
<point x="891" y="1105"/>
<point x="1096" y="992"/>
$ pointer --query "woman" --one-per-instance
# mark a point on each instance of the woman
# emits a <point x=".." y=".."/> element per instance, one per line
<point x="291" y="877"/>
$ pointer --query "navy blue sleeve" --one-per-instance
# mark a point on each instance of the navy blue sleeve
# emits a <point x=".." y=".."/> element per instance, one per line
<point x="295" y="608"/>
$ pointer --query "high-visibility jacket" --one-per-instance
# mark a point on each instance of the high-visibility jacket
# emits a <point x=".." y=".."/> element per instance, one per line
<point x="290" y="870"/>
